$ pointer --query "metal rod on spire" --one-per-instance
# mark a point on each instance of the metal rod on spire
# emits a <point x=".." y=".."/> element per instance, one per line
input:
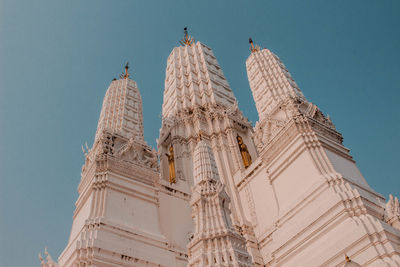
<point x="187" y="40"/>
<point x="251" y="43"/>
<point x="126" y="70"/>
<point x="252" y="47"/>
<point x="126" y="74"/>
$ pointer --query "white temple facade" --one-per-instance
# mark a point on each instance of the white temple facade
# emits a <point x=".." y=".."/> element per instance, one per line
<point x="218" y="192"/>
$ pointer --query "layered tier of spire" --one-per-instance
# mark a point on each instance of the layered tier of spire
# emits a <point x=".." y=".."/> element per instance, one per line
<point x="194" y="78"/>
<point x="269" y="79"/>
<point x="121" y="112"/>
<point x="205" y="167"/>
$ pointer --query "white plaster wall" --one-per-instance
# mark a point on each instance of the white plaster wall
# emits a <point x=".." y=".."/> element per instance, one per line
<point x="330" y="245"/>
<point x="295" y="179"/>
<point x="132" y="211"/>
<point x="265" y="205"/>
<point x="312" y="225"/>
<point x="80" y="218"/>
<point x="125" y="245"/>
<point x="347" y="168"/>
<point x="175" y="220"/>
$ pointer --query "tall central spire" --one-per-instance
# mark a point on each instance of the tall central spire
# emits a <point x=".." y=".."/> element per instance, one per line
<point x="194" y="78"/>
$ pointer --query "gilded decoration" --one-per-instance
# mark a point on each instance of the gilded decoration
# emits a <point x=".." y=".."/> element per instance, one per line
<point x="171" y="164"/>
<point x="244" y="152"/>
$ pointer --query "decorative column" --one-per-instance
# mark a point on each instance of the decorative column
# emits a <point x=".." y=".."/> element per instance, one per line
<point x="214" y="242"/>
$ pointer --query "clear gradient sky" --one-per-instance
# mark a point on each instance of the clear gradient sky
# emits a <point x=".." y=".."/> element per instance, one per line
<point x="57" y="59"/>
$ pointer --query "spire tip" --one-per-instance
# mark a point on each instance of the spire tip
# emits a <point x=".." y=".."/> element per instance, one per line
<point x="187" y="40"/>
<point x="253" y="48"/>
<point x="126" y="74"/>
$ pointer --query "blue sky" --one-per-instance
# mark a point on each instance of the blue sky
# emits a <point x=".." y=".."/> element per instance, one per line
<point x="57" y="59"/>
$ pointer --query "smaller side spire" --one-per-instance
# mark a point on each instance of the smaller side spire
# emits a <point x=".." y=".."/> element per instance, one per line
<point x="205" y="167"/>
<point x="211" y="214"/>
<point x="121" y="112"/>
<point x="187" y="40"/>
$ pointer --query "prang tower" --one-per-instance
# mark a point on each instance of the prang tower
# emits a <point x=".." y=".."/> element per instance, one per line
<point x="116" y="220"/>
<point x="310" y="203"/>
<point x="218" y="192"/>
<point x="199" y="101"/>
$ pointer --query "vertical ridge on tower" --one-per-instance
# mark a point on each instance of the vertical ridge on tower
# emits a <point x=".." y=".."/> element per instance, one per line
<point x="214" y="242"/>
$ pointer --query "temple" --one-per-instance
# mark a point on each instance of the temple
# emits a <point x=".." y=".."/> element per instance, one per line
<point x="218" y="191"/>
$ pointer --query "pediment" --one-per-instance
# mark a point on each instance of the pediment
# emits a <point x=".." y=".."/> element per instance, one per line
<point x="139" y="153"/>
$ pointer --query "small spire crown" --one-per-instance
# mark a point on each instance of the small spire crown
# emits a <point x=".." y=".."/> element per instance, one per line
<point x="253" y="48"/>
<point x="187" y="40"/>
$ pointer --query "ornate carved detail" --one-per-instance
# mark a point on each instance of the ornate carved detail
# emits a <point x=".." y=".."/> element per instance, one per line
<point x="285" y="135"/>
<point x="49" y="262"/>
<point x="133" y="151"/>
<point x="392" y="212"/>
<point x="202" y="116"/>
<point x="298" y="109"/>
<point x="107" y="143"/>
<point x="326" y="131"/>
<point x="250" y="202"/>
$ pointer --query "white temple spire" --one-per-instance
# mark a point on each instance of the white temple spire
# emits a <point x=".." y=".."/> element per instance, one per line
<point x="277" y="96"/>
<point x="194" y="78"/>
<point x="121" y="112"/>
<point x="269" y="79"/>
